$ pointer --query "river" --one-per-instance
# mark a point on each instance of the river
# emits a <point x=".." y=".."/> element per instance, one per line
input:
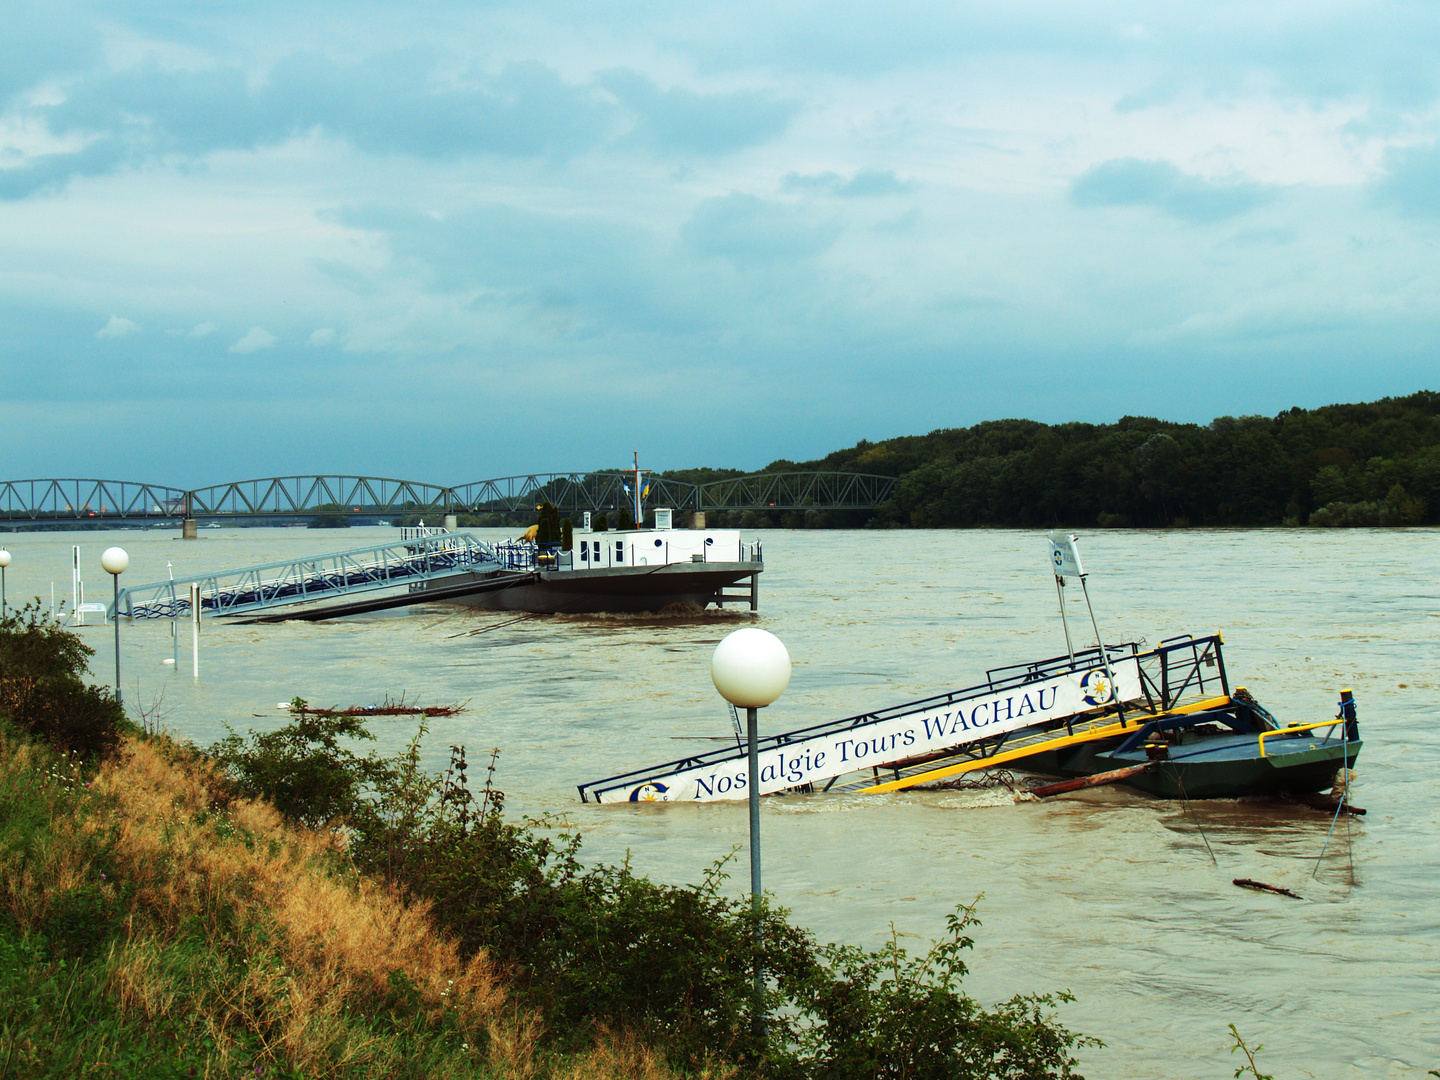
<point x="1124" y="900"/>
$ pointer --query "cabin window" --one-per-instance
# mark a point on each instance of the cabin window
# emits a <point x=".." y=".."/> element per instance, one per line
<point x="584" y="550"/>
<point x="620" y="551"/>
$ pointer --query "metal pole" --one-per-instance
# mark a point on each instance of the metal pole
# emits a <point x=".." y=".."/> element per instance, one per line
<point x="1060" y="592"/>
<point x="115" y="615"/>
<point x="3" y="608"/>
<point x="195" y="629"/>
<point x="1104" y="655"/>
<point x="752" y="726"/>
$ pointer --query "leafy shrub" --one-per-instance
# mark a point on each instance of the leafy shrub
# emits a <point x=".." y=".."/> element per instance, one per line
<point x="43" y="690"/>
<point x="883" y="1015"/>
<point x="303" y="767"/>
<point x="600" y="946"/>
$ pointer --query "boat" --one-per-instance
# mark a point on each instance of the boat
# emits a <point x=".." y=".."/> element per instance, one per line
<point x="1163" y="720"/>
<point x="1090" y="712"/>
<point x="660" y="569"/>
<point x="1230" y="748"/>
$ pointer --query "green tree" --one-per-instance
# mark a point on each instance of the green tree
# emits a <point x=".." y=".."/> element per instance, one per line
<point x="43" y="689"/>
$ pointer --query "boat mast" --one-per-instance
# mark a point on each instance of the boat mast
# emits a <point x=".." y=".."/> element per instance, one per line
<point x="639" y="521"/>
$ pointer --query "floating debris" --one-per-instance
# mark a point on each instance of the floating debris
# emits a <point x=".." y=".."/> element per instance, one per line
<point x="300" y="707"/>
<point x="1247" y="883"/>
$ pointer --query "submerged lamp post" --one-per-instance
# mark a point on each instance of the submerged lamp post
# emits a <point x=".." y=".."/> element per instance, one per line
<point x="4" y="562"/>
<point x="751" y="669"/>
<point x="114" y="561"/>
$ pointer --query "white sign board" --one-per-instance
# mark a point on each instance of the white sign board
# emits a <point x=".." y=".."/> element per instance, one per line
<point x="835" y="753"/>
<point x="1063" y="555"/>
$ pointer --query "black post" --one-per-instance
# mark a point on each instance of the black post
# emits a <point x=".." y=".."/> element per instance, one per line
<point x="752" y="725"/>
<point x="115" y="614"/>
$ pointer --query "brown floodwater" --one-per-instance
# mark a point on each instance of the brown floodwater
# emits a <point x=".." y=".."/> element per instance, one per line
<point x="1124" y="900"/>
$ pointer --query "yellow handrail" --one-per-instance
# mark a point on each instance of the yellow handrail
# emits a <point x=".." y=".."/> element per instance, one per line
<point x="1296" y="730"/>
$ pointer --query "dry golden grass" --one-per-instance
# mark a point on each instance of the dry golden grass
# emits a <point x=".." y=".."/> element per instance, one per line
<point x="332" y="946"/>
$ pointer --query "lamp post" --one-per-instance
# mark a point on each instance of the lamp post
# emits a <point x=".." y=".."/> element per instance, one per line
<point x="751" y="669"/>
<point x="114" y="561"/>
<point x="4" y="562"/>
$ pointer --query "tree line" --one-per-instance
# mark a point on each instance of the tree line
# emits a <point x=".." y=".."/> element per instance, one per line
<point x="1375" y="463"/>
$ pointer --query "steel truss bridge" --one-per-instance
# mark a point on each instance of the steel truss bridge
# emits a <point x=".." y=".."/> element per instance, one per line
<point x="79" y="502"/>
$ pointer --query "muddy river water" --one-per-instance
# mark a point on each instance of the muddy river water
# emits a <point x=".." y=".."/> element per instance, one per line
<point x="1109" y="894"/>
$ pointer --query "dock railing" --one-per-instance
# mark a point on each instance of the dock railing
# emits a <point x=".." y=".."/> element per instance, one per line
<point x="297" y="581"/>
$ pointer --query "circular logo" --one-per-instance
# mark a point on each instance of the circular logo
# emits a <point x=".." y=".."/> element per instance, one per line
<point x="1059" y="557"/>
<point x="1096" y="687"/>
<point x="651" y="792"/>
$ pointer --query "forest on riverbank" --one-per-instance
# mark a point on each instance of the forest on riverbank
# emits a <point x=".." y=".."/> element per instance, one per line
<point x="1375" y="463"/>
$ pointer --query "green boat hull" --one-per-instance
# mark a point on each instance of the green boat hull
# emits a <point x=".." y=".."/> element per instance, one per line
<point x="1228" y="766"/>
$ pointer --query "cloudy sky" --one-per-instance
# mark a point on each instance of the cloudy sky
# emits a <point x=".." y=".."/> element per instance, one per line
<point x="450" y="241"/>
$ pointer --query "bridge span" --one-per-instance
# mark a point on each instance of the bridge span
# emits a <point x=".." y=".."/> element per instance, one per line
<point x="289" y="498"/>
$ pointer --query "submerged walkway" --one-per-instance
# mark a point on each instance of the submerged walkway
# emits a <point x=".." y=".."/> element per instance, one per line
<point x="287" y="585"/>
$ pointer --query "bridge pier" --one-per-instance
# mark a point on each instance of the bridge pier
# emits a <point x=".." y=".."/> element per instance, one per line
<point x="697" y="519"/>
<point x="188" y="530"/>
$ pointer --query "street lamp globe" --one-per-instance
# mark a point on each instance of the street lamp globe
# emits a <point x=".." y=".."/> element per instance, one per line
<point x="4" y="558"/>
<point x="750" y="668"/>
<point x="114" y="560"/>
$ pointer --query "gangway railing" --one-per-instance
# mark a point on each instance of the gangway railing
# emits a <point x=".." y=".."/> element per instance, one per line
<point x="1027" y="744"/>
<point x="1018" y="706"/>
<point x="316" y="577"/>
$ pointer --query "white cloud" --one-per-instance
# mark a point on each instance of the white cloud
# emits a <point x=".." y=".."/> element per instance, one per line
<point x="204" y="329"/>
<point x="117" y="328"/>
<point x="323" y="336"/>
<point x="258" y="338"/>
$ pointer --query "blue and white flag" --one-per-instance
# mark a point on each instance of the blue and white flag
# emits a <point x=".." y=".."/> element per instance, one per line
<point x="1064" y="558"/>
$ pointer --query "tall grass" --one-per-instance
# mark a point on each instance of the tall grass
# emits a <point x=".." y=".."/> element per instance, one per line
<point x="151" y="925"/>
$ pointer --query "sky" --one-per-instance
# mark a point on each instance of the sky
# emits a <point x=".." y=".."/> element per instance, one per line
<point x="448" y="242"/>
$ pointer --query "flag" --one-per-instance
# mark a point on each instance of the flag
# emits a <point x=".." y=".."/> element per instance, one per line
<point x="645" y="492"/>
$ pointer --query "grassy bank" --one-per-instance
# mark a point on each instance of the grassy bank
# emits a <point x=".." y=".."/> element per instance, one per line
<point x="152" y="926"/>
<point x="283" y="905"/>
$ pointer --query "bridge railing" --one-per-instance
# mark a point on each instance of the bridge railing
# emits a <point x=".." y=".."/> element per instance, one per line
<point x="80" y="500"/>
<point x="308" y="496"/>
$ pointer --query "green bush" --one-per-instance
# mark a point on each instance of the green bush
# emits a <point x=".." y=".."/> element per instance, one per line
<point x="601" y="945"/>
<point x="43" y="690"/>
<point x="884" y="1015"/>
<point x="303" y="767"/>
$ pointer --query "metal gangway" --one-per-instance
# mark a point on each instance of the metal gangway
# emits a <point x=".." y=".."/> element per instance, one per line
<point x="1020" y="710"/>
<point x="284" y="585"/>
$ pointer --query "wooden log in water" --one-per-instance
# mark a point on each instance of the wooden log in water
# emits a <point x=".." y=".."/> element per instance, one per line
<point x="1080" y="783"/>
<point x="1248" y="883"/>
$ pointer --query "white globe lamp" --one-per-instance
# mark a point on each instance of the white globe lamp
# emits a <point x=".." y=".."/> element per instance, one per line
<point x="114" y="561"/>
<point x="751" y="668"/>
